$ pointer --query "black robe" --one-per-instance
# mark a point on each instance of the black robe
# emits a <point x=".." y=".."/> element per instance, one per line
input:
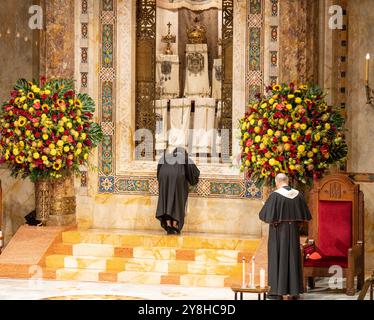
<point x="175" y="171"/>
<point x="284" y="259"/>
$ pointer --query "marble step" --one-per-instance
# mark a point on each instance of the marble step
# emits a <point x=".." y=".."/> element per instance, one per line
<point x="136" y="277"/>
<point x="144" y="265"/>
<point x="149" y="239"/>
<point x="157" y="253"/>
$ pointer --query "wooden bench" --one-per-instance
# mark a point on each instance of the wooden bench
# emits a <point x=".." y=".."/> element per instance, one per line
<point x="257" y="290"/>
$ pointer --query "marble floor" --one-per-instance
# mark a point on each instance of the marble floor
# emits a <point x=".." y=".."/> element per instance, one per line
<point x="71" y="290"/>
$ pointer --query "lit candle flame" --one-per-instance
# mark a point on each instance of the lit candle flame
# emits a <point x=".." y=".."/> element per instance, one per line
<point x="368" y="56"/>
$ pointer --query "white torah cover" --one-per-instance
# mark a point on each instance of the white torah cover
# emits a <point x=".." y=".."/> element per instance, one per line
<point x="167" y="75"/>
<point x="197" y="74"/>
<point x="180" y="111"/>
<point x="290" y="194"/>
<point x="204" y="120"/>
<point x="162" y="124"/>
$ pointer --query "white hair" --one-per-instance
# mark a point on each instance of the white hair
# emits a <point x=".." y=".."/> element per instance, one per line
<point x="281" y="178"/>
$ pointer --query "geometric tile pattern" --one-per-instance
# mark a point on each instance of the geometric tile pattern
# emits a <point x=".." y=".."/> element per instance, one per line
<point x="255" y="67"/>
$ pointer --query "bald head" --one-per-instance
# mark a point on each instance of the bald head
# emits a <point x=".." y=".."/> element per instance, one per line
<point x="281" y="180"/>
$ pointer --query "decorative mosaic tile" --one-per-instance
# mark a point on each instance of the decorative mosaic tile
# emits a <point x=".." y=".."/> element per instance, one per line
<point x="226" y="189"/>
<point x="255" y="6"/>
<point x="274" y="33"/>
<point x="132" y="185"/>
<point x="108" y="5"/>
<point x="251" y="191"/>
<point x="107" y="53"/>
<point x="274" y="58"/>
<point x="84" y="6"/>
<point x="106" y="155"/>
<point x="106" y="184"/>
<point x="108" y="128"/>
<point x="274" y="8"/>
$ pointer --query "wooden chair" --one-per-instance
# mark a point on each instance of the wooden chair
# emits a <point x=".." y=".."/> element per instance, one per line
<point x="337" y="230"/>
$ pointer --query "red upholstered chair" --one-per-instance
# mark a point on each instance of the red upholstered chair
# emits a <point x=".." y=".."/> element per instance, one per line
<point x="337" y="231"/>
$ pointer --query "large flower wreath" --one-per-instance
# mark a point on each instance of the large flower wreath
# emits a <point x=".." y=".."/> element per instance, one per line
<point x="47" y="129"/>
<point x="291" y="130"/>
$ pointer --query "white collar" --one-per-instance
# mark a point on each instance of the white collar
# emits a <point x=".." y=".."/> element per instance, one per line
<point x="290" y="194"/>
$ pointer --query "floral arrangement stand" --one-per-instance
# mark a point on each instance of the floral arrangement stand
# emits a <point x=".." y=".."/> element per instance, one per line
<point x="291" y="130"/>
<point x="47" y="134"/>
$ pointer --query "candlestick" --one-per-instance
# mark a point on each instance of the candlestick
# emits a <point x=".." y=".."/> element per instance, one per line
<point x="367" y="69"/>
<point x="243" y="276"/>
<point x="253" y="272"/>
<point x="262" y="278"/>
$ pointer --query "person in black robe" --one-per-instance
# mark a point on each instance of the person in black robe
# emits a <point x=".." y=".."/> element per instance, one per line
<point x="175" y="171"/>
<point x="284" y="211"/>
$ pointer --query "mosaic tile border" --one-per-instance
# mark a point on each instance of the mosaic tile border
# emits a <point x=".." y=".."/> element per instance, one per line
<point x="212" y="188"/>
<point x="255" y="38"/>
<point x="108" y="181"/>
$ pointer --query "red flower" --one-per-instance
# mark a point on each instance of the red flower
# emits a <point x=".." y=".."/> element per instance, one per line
<point x="54" y="118"/>
<point x="43" y="97"/>
<point x="14" y="93"/>
<point x="279" y="106"/>
<point x="37" y="135"/>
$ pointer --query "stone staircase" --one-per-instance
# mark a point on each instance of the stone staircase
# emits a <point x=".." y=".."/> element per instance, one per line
<point x="149" y="258"/>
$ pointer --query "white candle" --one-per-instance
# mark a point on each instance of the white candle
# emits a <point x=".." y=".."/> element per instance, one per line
<point x="253" y="272"/>
<point x="262" y="278"/>
<point x="243" y="276"/>
<point x="367" y="69"/>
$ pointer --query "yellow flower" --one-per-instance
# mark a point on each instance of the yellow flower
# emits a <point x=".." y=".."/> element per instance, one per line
<point x="272" y="162"/>
<point x="60" y="143"/>
<point x="264" y="105"/>
<point x="35" y="89"/>
<point x="327" y="126"/>
<point x="85" y="157"/>
<point x="291" y="96"/>
<point x="66" y="149"/>
<point x="257" y="129"/>
<point x="284" y="138"/>
<point x="294" y="137"/>
<point x="79" y="151"/>
<point x="45" y="136"/>
<point x="289" y="106"/>
<point x="271" y="101"/>
<point x="15" y="152"/>
<point x="303" y="87"/>
<point x="20" y="159"/>
<point x="36" y="155"/>
<point x="277" y="87"/>
<point x="22" y="99"/>
<point x="303" y="126"/>
<point x="317" y="137"/>
<point x="298" y="100"/>
<point x="31" y="96"/>
<point x="258" y="139"/>
<point x="47" y="92"/>
<point x="301" y="148"/>
<point x="44" y="158"/>
<point x="84" y="136"/>
<point x="53" y="152"/>
<point x="22" y="121"/>
<point x="57" y="166"/>
<point x="45" y="107"/>
<point x="69" y="125"/>
<point x="270" y="132"/>
<point x="281" y="122"/>
<point x="310" y="154"/>
<point x="78" y="103"/>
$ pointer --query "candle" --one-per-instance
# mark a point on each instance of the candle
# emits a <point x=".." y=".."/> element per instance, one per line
<point x="253" y="272"/>
<point x="243" y="276"/>
<point x="367" y="69"/>
<point x="262" y="278"/>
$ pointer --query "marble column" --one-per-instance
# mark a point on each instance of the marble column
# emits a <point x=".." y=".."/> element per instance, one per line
<point x="57" y="43"/>
<point x="298" y="49"/>
<point x="57" y="61"/>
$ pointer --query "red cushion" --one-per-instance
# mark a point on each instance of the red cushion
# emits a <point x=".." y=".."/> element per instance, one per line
<point x="334" y="228"/>
<point x="327" y="262"/>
